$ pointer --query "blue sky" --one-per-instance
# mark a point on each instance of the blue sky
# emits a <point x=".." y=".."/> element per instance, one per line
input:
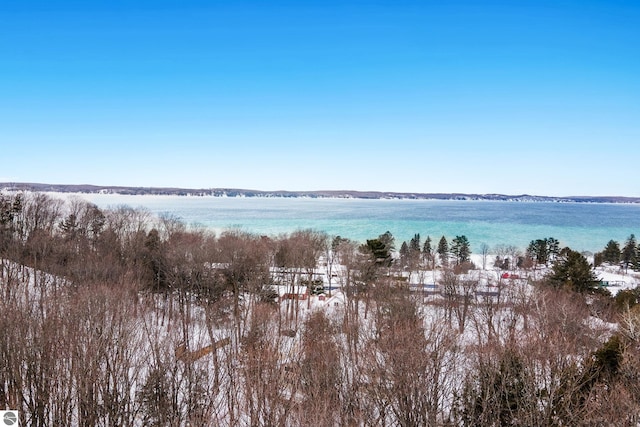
<point x="538" y="97"/>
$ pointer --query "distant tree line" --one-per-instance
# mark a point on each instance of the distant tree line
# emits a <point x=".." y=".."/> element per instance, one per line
<point x="627" y="257"/>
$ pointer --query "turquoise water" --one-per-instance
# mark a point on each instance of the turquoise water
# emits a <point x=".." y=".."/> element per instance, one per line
<point x="581" y="226"/>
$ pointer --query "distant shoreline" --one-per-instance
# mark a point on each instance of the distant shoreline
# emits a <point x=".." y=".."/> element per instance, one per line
<point x="339" y="194"/>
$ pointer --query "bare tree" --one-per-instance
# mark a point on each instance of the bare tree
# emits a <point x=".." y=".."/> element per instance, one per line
<point x="245" y="267"/>
<point x="320" y="374"/>
<point x="271" y="378"/>
<point x="484" y="251"/>
<point x="449" y="283"/>
<point x="407" y="366"/>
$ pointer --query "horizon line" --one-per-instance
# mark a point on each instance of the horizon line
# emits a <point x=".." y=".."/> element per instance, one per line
<point x="365" y="194"/>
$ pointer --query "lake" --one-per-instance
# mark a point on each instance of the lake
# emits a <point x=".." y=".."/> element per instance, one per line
<point x="581" y="226"/>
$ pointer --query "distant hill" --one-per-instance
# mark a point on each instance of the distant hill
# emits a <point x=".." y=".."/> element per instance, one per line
<point x="236" y="192"/>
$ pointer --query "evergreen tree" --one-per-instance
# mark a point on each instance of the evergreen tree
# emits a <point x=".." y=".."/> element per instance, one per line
<point x="155" y="261"/>
<point x="414" y="251"/>
<point x="572" y="270"/>
<point x="11" y="217"/>
<point x="336" y="242"/>
<point x="538" y="250"/>
<point x="443" y="250"/>
<point x="630" y="252"/>
<point x="553" y="248"/>
<point x="379" y="251"/>
<point x="414" y="244"/>
<point x="461" y="249"/>
<point x="376" y="255"/>
<point x="69" y="226"/>
<point x="611" y="253"/>
<point x="427" y="250"/>
<point x="635" y="262"/>
<point x="404" y="254"/>
<point x="543" y="250"/>
<point x="388" y="241"/>
<point x="497" y="392"/>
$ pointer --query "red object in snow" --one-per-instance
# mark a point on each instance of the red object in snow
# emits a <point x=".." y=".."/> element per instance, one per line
<point x="505" y="275"/>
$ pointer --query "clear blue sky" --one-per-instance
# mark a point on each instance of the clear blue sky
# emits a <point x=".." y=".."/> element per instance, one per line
<point x="538" y="97"/>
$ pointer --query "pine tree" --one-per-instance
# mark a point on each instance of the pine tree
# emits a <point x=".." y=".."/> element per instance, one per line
<point x="379" y="251"/>
<point x="443" y="250"/>
<point x="414" y="250"/>
<point x="611" y="253"/>
<point x="572" y="270"/>
<point x="635" y="262"/>
<point x="376" y="255"/>
<point x="553" y="248"/>
<point x="404" y="254"/>
<point x="388" y="241"/>
<point x="70" y="227"/>
<point x="461" y="249"/>
<point x="414" y="244"/>
<point x="538" y="250"/>
<point x="630" y="252"/>
<point x="427" y="250"/>
<point x="543" y="250"/>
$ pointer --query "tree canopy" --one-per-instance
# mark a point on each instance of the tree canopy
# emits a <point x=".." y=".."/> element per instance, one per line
<point x="543" y="250"/>
<point x="572" y="270"/>
<point x="630" y="252"/>
<point x="443" y="249"/>
<point x="461" y="249"/>
<point x="611" y="253"/>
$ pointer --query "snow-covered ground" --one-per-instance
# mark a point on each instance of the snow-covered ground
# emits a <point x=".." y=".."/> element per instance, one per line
<point x="615" y="279"/>
<point x="161" y="326"/>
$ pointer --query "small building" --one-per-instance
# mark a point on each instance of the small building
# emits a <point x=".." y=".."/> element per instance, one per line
<point x="299" y="293"/>
<point x="426" y="289"/>
<point x="487" y="295"/>
<point x="294" y="296"/>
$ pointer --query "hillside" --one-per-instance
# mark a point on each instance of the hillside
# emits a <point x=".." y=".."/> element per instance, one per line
<point x="115" y="317"/>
